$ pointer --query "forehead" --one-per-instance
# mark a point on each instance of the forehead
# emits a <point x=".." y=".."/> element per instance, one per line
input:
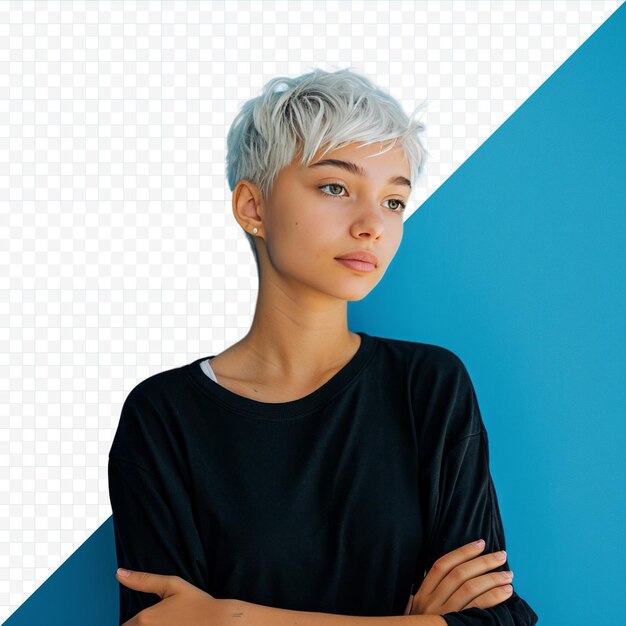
<point x="366" y="156"/>
<point x="391" y="166"/>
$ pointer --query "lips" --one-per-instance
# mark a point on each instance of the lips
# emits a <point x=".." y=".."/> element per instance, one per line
<point x="360" y="255"/>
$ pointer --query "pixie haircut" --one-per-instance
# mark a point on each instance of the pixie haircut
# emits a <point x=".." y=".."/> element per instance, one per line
<point x="296" y="117"/>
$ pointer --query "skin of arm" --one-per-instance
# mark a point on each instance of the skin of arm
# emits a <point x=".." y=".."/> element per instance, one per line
<point x="182" y="602"/>
<point x="244" y="613"/>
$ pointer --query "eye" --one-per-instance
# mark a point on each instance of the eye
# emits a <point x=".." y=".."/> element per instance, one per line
<point x="332" y="195"/>
<point x="401" y="203"/>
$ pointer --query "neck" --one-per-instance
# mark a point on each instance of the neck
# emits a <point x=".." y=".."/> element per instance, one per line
<point x="296" y="343"/>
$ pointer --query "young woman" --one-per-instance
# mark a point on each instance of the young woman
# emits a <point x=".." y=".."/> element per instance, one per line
<point x="310" y="474"/>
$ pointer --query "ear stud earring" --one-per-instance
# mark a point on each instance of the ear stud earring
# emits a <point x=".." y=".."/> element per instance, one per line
<point x="255" y="230"/>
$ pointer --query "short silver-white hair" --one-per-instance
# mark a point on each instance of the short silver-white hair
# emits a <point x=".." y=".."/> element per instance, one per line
<point x="296" y="117"/>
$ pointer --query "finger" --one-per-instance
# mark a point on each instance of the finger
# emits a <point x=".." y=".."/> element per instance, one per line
<point x="446" y="563"/>
<point x="469" y="577"/>
<point x="481" y="591"/>
<point x="492" y="597"/>
<point x="163" y="586"/>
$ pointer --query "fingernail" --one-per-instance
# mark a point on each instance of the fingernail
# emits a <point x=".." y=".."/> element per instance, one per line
<point x="501" y="555"/>
<point x="123" y="572"/>
<point x="480" y="543"/>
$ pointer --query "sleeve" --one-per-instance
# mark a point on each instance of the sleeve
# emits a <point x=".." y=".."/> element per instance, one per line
<point x="461" y="503"/>
<point x="153" y="521"/>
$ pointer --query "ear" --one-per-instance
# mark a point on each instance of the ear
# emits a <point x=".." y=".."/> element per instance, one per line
<point x="247" y="206"/>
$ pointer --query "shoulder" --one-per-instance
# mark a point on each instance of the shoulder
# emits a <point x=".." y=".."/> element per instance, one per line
<point x="157" y="390"/>
<point x="425" y="359"/>
<point x="149" y="415"/>
<point x="440" y="389"/>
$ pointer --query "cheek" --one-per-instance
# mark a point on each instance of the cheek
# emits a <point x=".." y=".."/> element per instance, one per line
<point x="312" y="228"/>
<point x="398" y="234"/>
<point x="302" y="230"/>
<point x="290" y="245"/>
<point x="304" y="246"/>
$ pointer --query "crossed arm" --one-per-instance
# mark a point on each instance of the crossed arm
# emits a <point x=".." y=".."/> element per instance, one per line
<point x="182" y="602"/>
<point x="452" y="584"/>
<point x="259" y="615"/>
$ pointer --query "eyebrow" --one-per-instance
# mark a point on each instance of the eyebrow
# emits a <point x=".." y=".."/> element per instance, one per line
<point x="357" y="170"/>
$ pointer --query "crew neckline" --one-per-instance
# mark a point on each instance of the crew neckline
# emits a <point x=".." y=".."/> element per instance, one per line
<point x="283" y="410"/>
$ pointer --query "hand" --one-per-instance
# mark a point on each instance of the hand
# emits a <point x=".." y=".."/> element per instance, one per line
<point x="181" y="602"/>
<point x="455" y="583"/>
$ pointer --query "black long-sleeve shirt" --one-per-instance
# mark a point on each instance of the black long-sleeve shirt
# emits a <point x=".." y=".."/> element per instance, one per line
<point x="337" y="502"/>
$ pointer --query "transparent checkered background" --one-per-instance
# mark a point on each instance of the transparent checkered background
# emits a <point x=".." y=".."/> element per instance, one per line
<point x="119" y="254"/>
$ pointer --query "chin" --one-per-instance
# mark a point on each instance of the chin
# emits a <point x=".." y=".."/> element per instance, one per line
<point x="353" y="295"/>
<point x="357" y="298"/>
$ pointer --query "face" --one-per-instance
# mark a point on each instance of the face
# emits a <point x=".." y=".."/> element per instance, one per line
<point x="320" y="212"/>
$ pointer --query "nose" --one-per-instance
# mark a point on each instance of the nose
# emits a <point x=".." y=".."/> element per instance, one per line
<point x="368" y="223"/>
